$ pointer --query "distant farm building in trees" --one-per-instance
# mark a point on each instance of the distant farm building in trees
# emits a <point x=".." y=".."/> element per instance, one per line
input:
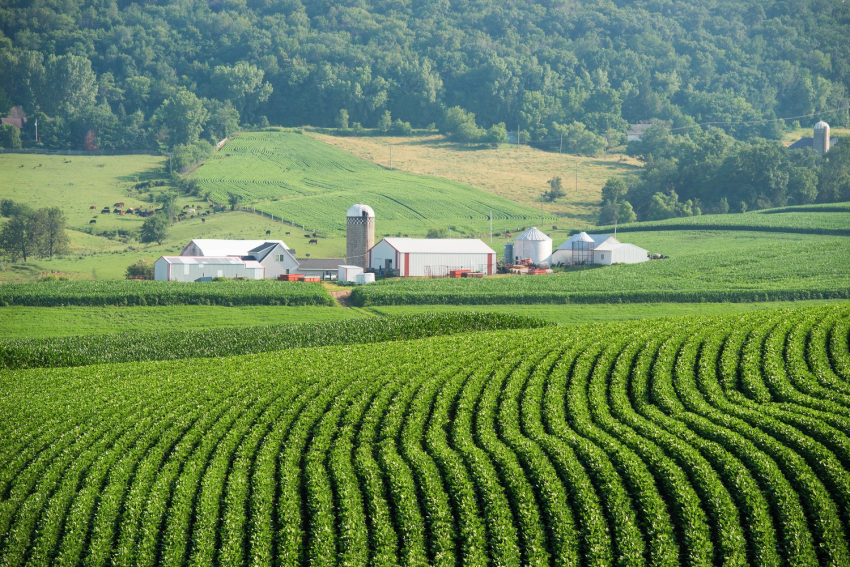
<point x="821" y="142"/>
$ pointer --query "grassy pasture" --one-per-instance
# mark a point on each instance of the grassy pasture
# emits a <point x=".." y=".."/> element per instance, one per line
<point x="308" y="183"/>
<point x="519" y="174"/>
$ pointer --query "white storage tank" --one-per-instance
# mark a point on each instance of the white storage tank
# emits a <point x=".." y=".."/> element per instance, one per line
<point x="533" y="244"/>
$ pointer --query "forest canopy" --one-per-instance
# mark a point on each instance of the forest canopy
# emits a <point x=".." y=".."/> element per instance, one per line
<point x="121" y="74"/>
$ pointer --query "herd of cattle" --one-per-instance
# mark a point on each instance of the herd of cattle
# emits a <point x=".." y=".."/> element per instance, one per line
<point x="119" y="209"/>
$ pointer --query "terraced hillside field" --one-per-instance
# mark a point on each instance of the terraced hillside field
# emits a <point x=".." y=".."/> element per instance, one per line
<point x="698" y="441"/>
<point x="309" y="183"/>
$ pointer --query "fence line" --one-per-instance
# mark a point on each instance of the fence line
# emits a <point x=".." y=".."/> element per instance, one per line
<point x="80" y="152"/>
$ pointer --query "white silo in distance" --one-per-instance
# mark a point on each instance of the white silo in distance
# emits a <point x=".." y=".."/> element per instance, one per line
<point x="360" y="234"/>
<point x="533" y="244"/>
<point x="821" y="138"/>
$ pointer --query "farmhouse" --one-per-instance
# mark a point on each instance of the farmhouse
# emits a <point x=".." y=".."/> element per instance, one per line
<point x="600" y="249"/>
<point x="194" y="268"/>
<point x="430" y="256"/>
<point x="274" y="255"/>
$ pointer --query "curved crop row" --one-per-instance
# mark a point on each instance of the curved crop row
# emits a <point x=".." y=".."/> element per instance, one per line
<point x="697" y="441"/>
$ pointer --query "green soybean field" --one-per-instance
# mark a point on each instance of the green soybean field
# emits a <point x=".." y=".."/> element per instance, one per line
<point x="688" y="441"/>
<point x="308" y="183"/>
<point x="703" y="266"/>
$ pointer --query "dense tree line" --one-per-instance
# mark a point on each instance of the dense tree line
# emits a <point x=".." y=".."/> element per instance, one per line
<point x="708" y="171"/>
<point x="124" y="74"/>
<point x="29" y="232"/>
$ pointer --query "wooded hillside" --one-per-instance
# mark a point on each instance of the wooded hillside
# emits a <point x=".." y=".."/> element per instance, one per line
<point x="122" y="74"/>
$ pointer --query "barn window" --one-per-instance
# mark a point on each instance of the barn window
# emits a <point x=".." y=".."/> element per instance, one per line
<point x="279" y="258"/>
<point x="603" y="256"/>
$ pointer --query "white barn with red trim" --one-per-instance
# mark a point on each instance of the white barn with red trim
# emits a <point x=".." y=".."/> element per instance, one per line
<point x="431" y="256"/>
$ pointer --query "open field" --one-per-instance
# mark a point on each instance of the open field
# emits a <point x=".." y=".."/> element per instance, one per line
<point x="44" y="322"/>
<point x="706" y="441"/>
<point x="600" y="312"/>
<point x="106" y="248"/>
<point x="519" y="174"/>
<point x="83" y="350"/>
<point x="791" y="137"/>
<point x="706" y="266"/>
<point x="38" y="322"/>
<point x="831" y="219"/>
<point x="309" y="183"/>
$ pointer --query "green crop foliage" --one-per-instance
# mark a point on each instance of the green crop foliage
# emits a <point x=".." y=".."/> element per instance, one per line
<point x="122" y="293"/>
<point x="704" y="266"/>
<point x="308" y="183"/>
<point x="709" y="440"/>
<point x="831" y="219"/>
<point x="136" y="347"/>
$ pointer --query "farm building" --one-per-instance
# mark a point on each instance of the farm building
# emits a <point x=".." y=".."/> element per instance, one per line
<point x="533" y="244"/>
<point x="346" y="273"/>
<point x="325" y="268"/>
<point x="431" y="256"/>
<point x="600" y="249"/>
<point x="194" y="268"/>
<point x="273" y="255"/>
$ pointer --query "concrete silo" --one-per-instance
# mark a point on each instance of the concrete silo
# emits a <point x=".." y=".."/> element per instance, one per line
<point x="360" y="234"/>
<point x="533" y="244"/>
<point x="821" y="138"/>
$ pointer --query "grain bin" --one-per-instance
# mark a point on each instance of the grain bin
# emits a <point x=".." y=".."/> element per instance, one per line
<point x="509" y="252"/>
<point x="533" y="244"/>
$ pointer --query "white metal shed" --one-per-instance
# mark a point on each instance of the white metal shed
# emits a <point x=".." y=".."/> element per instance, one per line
<point x="431" y="256"/>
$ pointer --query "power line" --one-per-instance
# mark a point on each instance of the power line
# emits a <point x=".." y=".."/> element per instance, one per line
<point x="762" y="121"/>
<point x="717" y="122"/>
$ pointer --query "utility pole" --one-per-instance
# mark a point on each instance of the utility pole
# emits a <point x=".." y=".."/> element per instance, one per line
<point x="36" y="130"/>
<point x="576" y="177"/>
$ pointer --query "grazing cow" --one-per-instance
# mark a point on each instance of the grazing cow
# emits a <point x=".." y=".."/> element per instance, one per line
<point x="119" y="204"/>
<point x="313" y="241"/>
<point x="287" y="234"/>
<point x="203" y="219"/>
<point x="554" y="227"/>
<point x="93" y="221"/>
<point x="307" y="235"/>
<point x="93" y="207"/>
<point x="117" y="211"/>
<point x="268" y="232"/>
<point x="121" y="214"/>
<point x="104" y="211"/>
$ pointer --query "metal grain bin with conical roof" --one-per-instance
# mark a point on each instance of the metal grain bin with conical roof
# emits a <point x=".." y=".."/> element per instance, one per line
<point x="533" y="244"/>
